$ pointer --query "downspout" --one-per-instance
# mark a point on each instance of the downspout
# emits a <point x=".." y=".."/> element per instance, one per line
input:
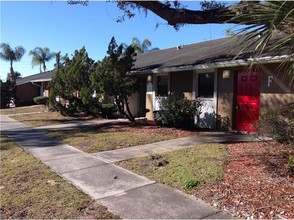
<point x="39" y="87"/>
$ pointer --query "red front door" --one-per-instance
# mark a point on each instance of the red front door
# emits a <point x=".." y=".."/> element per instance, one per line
<point x="248" y="94"/>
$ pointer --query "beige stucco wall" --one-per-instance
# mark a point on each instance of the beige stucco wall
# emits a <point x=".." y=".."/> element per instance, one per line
<point x="149" y="105"/>
<point x="46" y="92"/>
<point x="181" y="83"/>
<point x="134" y="103"/>
<point x="272" y="96"/>
<point x="225" y="95"/>
<point x="277" y="93"/>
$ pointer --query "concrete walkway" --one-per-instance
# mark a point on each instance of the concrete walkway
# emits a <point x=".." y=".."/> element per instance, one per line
<point x="81" y="123"/>
<point x="123" y="192"/>
<point x="113" y="156"/>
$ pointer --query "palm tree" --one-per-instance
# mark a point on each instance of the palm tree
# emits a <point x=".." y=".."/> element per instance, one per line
<point x="142" y="47"/>
<point x="11" y="55"/>
<point x="274" y="29"/>
<point x="41" y="56"/>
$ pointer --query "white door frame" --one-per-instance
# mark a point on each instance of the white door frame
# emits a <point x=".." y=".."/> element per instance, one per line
<point x="195" y="89"/>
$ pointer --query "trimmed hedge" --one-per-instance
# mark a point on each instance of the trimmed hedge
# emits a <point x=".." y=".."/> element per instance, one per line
<point x="41" y="100"/>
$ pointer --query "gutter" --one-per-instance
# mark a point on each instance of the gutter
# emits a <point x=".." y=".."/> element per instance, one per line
<point x="33" y="81"/>
<point x="36" y="84"/>
<point x="224" y="64"/>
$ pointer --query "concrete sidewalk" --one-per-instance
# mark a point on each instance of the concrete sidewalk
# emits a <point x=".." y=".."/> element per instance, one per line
<point x="113" y="156"/>
<point x="81" y="124"/>
<point x="123" y="192"/>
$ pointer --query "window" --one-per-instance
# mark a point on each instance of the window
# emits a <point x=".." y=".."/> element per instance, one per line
<point x="162" y="86"/>
<point x="206" y="85"/>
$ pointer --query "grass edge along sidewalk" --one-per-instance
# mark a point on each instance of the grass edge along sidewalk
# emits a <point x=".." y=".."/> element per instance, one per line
<point x="29" y="189"/>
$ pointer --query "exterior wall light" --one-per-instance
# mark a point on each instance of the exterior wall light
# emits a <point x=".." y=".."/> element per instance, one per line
<point x="149" y="78"/>
<point x="226" y="74"/>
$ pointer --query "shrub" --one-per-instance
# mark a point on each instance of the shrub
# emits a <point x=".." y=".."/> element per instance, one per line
<point x="107" y="110"/>
<point x="279" y="124"/>
<point x="41" y="100"/>
<point x="178" y="112"/>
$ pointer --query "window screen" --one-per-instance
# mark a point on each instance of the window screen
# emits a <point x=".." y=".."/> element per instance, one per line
<point x="206" y="85"/>
<point x="162" y="85"/>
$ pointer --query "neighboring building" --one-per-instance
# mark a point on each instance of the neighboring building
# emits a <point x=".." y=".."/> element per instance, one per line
<point x="208" y="71"/>
<point x="32" y="86"/>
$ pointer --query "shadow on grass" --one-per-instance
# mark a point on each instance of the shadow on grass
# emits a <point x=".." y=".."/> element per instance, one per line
<point x="6" y="143"/>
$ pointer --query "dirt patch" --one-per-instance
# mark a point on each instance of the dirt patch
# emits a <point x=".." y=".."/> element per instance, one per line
<point x="257" y="182"/>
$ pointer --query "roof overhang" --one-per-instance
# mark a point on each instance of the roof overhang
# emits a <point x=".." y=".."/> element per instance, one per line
<point x="223" y="64"/>
<point x="34" y="81"/>
<point x="40" y="80"/>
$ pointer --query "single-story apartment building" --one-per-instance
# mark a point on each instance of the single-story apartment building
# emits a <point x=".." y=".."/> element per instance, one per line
<point x="32" y="86"/>
<point x="211" y="72"/>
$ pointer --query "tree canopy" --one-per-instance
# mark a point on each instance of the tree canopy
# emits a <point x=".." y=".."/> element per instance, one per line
<point x="112" y="77"/>
<point x="144" y="46"/>
<point x="264" y="20"/>
<point x="72" y="85"/>
<point x="40" y="56"/>
<point x="11" y="55"/>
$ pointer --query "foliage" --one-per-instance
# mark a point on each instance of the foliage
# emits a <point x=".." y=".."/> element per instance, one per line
<point x="279" y="124"/>
<point x="178" y="112"/>
<point x="107" y="110"/>
<point x="273" y="30"/>
<point x="71" y="91"/>
<point x="8" y="89"/>
<point x="210" y="5"/>
<point x="11" y="55"/>
<point x="5" y="94"/>
<point x="112" y="79"/>
<point x="41" y="100"/>
<point x="142" y="47"/>
<point x="41" y="56"/>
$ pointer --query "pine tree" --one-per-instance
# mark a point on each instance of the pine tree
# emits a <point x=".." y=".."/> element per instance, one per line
<point x="72" y="87"/>
<point x="112" y="77"/>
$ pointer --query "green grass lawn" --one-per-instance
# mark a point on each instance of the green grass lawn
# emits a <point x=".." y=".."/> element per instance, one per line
<point x="93" y="139"/>
<point x="46" y="118"/>
<point x="185" y="169"/>
<point x="29" y="189"/>
<point x="27" y="109"/>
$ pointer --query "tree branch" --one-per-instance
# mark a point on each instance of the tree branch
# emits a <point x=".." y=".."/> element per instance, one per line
<point x="178" y="16"/>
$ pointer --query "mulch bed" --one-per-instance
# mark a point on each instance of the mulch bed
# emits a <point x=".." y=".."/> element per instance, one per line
<point x="257" y="182"/>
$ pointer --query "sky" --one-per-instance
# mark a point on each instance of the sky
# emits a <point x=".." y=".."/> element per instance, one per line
<point x="66" y="28"/>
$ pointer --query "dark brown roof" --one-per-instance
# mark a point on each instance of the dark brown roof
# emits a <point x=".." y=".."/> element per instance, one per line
<point x="207" y="52"/>
<point x="40" y="77"/>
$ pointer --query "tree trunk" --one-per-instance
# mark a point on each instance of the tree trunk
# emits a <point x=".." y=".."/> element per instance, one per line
<point x="118" y="102"/>
<point x="44" y="66"/>
<point x="11" y="67"/>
